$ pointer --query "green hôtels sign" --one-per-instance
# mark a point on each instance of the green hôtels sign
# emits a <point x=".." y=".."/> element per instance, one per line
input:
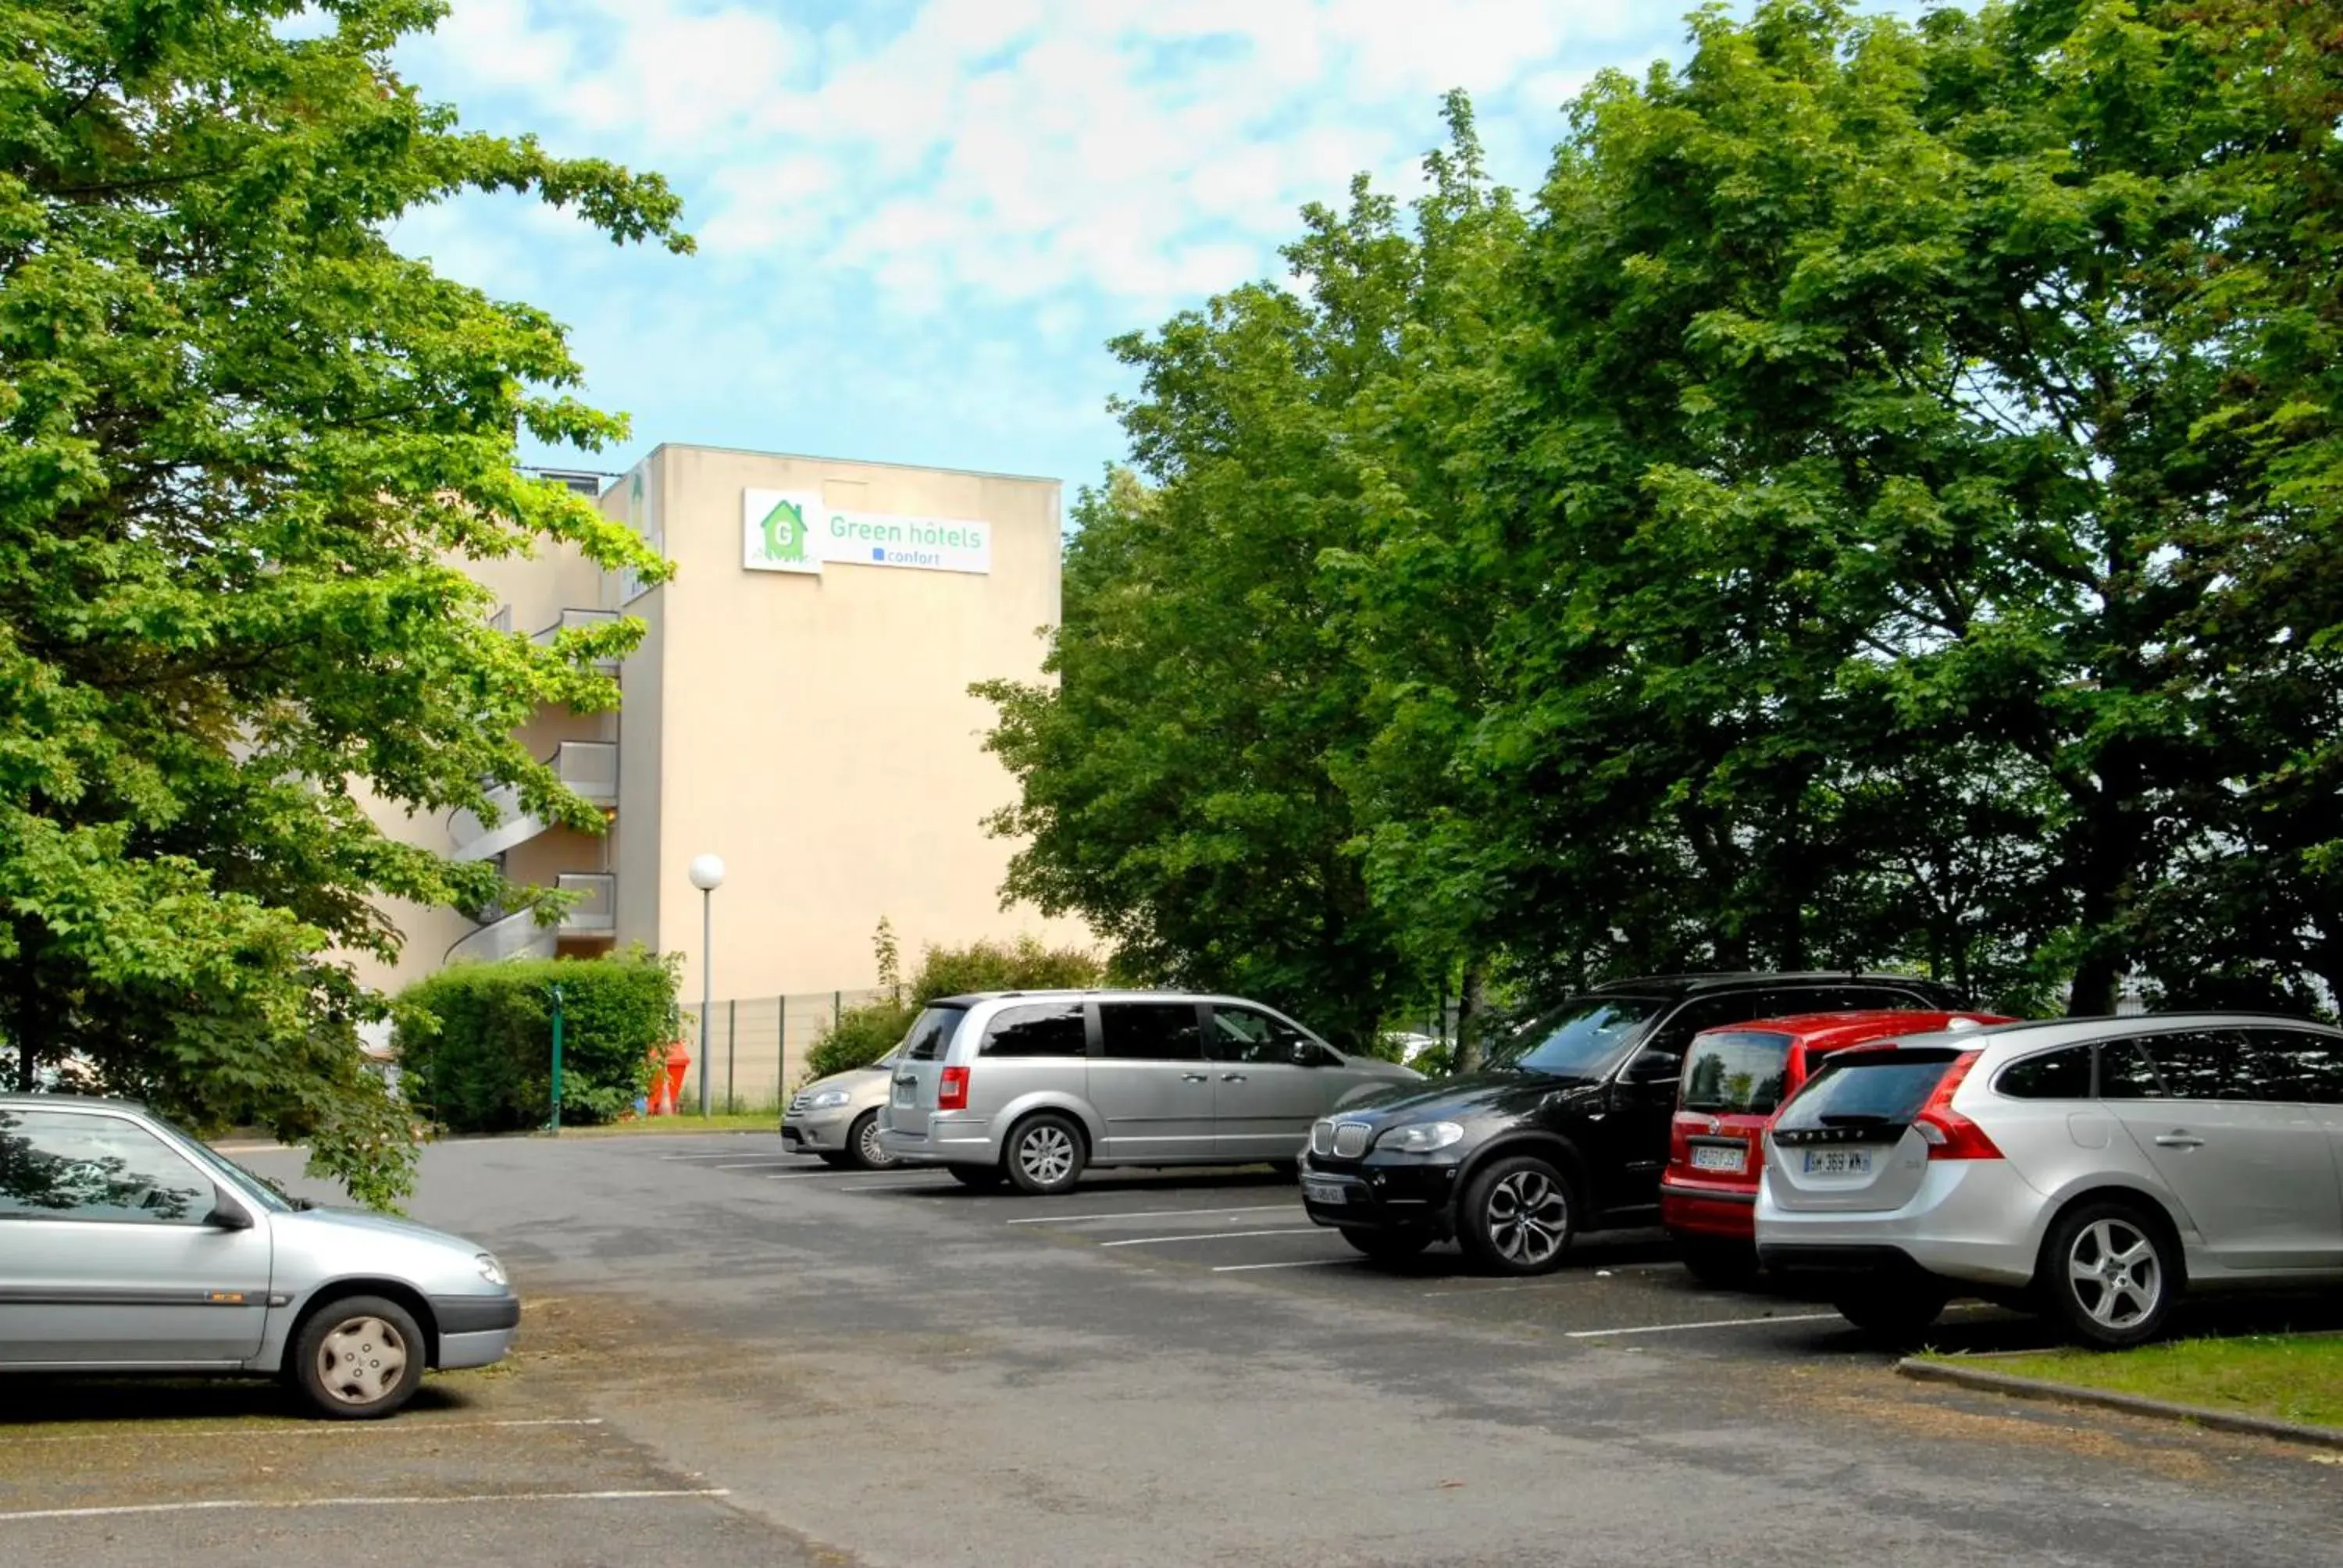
<point x="791" y="531"/>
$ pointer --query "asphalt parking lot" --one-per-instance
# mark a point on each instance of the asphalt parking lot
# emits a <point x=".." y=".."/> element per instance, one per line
<point x="733" y="1354"/>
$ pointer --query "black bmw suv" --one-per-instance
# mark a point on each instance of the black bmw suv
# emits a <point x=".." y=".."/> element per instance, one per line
<point x="1565" y="1130"/>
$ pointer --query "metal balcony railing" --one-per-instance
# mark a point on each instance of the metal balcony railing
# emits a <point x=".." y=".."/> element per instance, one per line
<point x="519" y="936"/>
<point x="573" y="618"/>
<point x="589" y="767"/>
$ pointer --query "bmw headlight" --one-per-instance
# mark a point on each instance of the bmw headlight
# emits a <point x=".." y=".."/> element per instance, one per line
<point x="829" y="1100"/>
<point x="1419" y="1138"/>
<point x="490" y="1270"/>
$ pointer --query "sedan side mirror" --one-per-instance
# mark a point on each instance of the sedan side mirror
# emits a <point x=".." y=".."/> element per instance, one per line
<point x="226" y="1215"/>
<point x="1653" y="1066"/>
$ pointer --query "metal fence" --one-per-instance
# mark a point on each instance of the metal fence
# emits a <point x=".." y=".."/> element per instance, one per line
<point x="757" y="1045"/>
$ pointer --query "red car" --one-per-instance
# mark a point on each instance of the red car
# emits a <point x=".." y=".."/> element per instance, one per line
<point x="1735" y="1078"/>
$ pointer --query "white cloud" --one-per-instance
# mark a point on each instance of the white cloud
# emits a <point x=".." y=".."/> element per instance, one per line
<point x="911" y="192"/>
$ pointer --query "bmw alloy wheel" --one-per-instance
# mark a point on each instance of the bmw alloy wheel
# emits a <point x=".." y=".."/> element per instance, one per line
<point x="1528" y="1218"/>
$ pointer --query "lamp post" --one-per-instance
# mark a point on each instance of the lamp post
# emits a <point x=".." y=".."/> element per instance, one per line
<point x="557" y="1058"/>
<point x="706" y="875"/>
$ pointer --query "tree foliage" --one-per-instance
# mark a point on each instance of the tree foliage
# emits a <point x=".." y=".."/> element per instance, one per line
<point x="1877" y="506"/>
<point x="249" y="448"/>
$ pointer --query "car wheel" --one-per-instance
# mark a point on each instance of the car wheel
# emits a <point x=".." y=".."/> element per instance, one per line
<point x="2111" y="1274"/>
<point x="1517" y="1216"/>
<point x="360" y="1357"/>
<point x="983" y="1178"/>
<point x="1045" y="1155"/>
<point x="1720" y="1265"/>
<point x="863" y="1147"/>
<point x="1893" y="1312"/>
<point x="1388" y="1246"/>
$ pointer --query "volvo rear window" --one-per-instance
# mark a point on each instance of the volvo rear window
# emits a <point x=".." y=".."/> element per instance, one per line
<point x="1737" y="1071"/>
<point x="1861" y="1088"/>
<point x="931" y="1033"/>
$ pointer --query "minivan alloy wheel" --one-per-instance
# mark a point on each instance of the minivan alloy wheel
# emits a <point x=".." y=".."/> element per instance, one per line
<point x="1046" y="1153"/>
<point x="1528" y="1218"/>
<point x="2113" y="1271"/>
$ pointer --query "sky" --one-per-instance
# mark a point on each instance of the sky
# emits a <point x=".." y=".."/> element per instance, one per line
<point x="919" y="221"/>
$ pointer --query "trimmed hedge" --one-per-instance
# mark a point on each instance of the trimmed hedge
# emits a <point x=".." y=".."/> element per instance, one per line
<point x="475" y="1040"/>
<point x="864" y="1034"/>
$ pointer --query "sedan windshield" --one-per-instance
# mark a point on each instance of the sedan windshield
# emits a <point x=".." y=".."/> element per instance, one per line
<point x="246" y="1183"/>
<point x="1581" y="1038"/>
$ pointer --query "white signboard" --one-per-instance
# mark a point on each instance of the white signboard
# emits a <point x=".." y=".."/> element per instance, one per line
<point x="793" y="531"/>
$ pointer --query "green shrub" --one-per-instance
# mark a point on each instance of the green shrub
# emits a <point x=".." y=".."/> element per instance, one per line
<point x="863" y="1034"/>
<point x="475" y="1040"/>
<point x="860" y="1035"/>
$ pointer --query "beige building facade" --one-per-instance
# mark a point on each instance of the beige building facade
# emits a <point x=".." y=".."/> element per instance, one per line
<point x="798" y="707"/>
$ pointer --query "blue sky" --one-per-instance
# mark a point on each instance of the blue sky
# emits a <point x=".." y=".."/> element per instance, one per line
<point x="920" y="222"/>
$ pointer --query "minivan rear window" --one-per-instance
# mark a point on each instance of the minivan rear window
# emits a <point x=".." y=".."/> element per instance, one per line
<point x="1866" y="1089"/>
<point x="931" y="1033"/>
<point x="1738" y="1071"/>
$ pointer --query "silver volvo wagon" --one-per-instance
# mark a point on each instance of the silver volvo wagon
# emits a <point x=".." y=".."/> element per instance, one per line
<point x="1031" y="1087"/>
<point x="127" y="1246"/>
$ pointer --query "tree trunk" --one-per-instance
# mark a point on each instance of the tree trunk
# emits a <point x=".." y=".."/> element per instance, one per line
<point x="1471" y="1001"/>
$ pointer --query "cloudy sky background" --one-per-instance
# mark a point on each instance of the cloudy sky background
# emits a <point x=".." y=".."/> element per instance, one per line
<point x="920" y="220"/>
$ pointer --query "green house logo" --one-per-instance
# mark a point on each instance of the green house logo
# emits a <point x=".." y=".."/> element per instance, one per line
<point x="784" y="531"/>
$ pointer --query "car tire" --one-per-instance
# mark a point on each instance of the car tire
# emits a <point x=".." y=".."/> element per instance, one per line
<point x="360" y="1357"/>
<point x="1387" y="1246"/>
<point x="863" y="1150"/>
<point x="1517" y="1216"/>
<point x="2110" y="1273"/>
<point x="1045" y="1154"/>
<point x="982" y="1178"/>
<point x="1720" y="1265"/>
<point x="1893" y="1312"/>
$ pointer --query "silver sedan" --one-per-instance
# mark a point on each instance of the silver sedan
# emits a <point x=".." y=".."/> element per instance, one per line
<point x="128" y="1246"/>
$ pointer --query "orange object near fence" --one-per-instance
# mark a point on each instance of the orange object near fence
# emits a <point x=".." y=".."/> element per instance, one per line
<point x="667" y="1078"/>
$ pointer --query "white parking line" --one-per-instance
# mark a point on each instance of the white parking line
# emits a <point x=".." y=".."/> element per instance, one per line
<point x="1300" y="1264"/>
<point x="407" y="1428"/>
<point x="927" y="1186"/>
<point x="1711" y="1323"/>
<point x="217" y="1505"/>
<point x="757" y="1164"/>
<point x="1548" y="1284"/>
<point x="718" y="1154"/>
<point x="1208" y="1236"/>
<point x="804" y="1175"/>
<point x="1149" y="1214"/>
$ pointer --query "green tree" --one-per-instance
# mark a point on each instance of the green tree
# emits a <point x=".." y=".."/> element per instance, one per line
<point x="250" y="447"/>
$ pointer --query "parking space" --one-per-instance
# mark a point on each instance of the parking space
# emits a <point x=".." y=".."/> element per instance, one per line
<point x="735" y="1354"/>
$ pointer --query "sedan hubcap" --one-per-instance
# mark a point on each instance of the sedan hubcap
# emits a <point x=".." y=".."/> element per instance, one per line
<point x="361" y="1361"/>
<point x="2114" y="1274"/>
<point x="1528" y="1217"/>
<point x="1046" y="1155"/>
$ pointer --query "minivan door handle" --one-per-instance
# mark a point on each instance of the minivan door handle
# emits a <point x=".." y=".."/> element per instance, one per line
<point x="1196" y="1078"/>
<point x="1232" y="1078"/>
<point x="2178" y="1137"/>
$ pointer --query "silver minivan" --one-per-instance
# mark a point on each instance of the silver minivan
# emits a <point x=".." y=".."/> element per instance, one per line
<point x="1031" y="1087"/>
<point x="125" y="1245"/>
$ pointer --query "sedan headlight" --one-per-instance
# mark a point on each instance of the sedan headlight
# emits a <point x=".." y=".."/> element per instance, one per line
<point x="829" y="1100"/>
<point x="490" y="1270"/>
<point x="1419" y="1138"/>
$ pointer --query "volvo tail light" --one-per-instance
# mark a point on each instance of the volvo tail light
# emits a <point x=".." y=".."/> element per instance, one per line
<point x="1948" y="1134"/>
<point x="951" y="1091"/>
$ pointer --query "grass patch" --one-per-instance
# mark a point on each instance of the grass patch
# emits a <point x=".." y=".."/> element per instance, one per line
<point x="2285" y="1377"/>
<point x="765" y="1120"/>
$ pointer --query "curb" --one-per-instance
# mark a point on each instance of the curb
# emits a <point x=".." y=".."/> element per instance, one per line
<point x="2129" y="1403"/>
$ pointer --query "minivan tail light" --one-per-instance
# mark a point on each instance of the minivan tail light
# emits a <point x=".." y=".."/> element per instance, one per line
<point x="1948" y="1134"/>
<point x="951" y="1092"/>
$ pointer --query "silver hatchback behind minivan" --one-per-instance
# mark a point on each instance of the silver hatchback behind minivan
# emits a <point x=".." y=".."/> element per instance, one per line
<point x="126" y="1245"/>
<point x="1031" y="1087"/>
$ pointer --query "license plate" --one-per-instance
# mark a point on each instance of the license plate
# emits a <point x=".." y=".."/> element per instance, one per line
<point x="1325" y="1192"/>
<point x="1718" y="1157"/>
<point x="1838" y="1161"/>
